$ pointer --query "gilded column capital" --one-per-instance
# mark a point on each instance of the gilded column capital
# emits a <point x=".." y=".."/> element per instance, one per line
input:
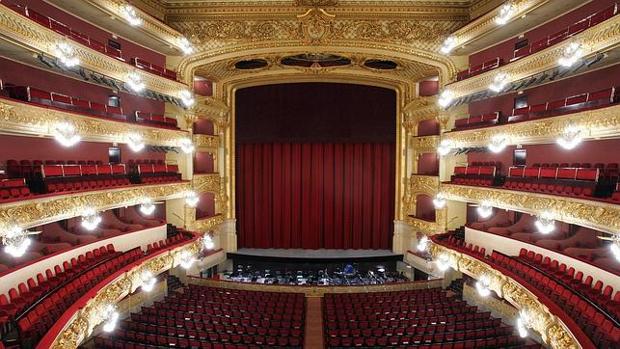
<point x="213" y="109"/>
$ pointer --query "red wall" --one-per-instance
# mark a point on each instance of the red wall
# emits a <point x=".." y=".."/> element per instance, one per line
<point x="428" y="128"/>
<point x="203" y="127"/>
<point x="23" y="75"/>
<point x="203" y="163"/>
<point x="428" y="164"/>
<point x="203" y="88"/>
<point x="590" y="82"/>
<point x="424" y="208"/>
<point x="592" y="152"/>
<point x="206" y="206"/>
<point x="31" y="148"/>
<point x="428" y="88"/>
<point x="130" y="50"/>
<point x="505" y="49"/>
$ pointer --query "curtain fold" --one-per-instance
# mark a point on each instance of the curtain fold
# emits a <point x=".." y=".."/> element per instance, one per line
<point x="315" y="195"/>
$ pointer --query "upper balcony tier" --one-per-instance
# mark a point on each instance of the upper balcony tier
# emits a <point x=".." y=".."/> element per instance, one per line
<point x="485" y="32"/>
<point x="35" y="39"/>
<point x="592" y="48"/>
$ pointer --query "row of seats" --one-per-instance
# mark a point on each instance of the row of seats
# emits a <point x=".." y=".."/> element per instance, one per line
<point x="49" y="309"/>
<point x="14" y="189"/>
<point x="207" y="317"/>
<point x="597" y="293"/>
<point x="85" y="40"/>
<point x="78" y="105"/>
<point x="475" y="175"/>
<point x="567" y="181"/>
<point x="426" y="317"/>
<point x="169" y="242"/>
<point x="548" y="41"/>
<point x="571" y="104"/>
<point x="160" y="173"/>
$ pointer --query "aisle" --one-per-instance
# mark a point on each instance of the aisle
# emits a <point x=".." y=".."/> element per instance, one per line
<point x="314" y="324"/>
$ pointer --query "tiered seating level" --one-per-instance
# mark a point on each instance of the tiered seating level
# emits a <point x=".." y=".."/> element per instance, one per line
<point x="78" y="105"/>
<point x="85" y="40"/>
<point x="419" y="318"/>
<point x="568" y="105"/>
<point x="204" y="317"/>
<point x="53" y="177"/>
<point x="589" y="312"/>
<point x="548" y="41"/>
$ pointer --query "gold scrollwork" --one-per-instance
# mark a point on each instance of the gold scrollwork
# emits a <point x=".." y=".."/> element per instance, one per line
<point x="207" y="224"/>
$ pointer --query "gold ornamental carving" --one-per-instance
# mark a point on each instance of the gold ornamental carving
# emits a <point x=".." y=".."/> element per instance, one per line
<point x="587" y="213"/>
<point x="27" y="33"/>
<point x="422" y="184"/>
<point x="426" y="144"/>
<point x="207" y="224"/>
<point x="211" y="143"/>
<point x="552" y="330"/>
<point x="420" y="109"/>
<point x="420" y="225"/>
<point x="38" y="211"/>
<point x="316" y="3"/>
<point x="210" y="183"/>
<point x="82" y="324"/>
<point x="316" y="25"/>
<point x="212" y="109"/>
<point x="600" y="38"/>
<point x="596" y="123"/>
<point x="27" y="119"/>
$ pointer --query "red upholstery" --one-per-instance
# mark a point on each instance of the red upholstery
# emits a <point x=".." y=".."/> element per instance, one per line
<point x="474" y="175"/>
<point x="152" y="68"/>
<point x="153" y="119"/>
<point x="477" y="121"/>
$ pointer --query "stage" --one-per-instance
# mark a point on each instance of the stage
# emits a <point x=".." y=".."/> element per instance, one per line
<point x="322" y="255"/>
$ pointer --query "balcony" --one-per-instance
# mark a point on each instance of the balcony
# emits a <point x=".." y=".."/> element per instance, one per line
<point x="599" y="45"/>
<point x="592" y="214"/>
<point x="21" y="118"/>
<point x="153" y="33"/>
<point x="46" y="209"/>
<point x="36" y="44"/>
<point x="206" y="142"/>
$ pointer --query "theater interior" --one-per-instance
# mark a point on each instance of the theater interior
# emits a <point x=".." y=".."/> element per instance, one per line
<point x="232" y="174"/>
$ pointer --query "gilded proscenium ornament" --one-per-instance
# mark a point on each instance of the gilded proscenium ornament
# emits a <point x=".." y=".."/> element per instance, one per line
<point x="82" y="324"/>
<point x="37" y="38"/>
<point x="552" y="330"/>
<point x="38" y="211"/>
<point x="596" y="123"/>
<point x="212" y="109"/>
<point x="419" y="184"/>
<point x="600" y="38"/>
<point x="587" y="213"/>
<point x="27" y="119"/>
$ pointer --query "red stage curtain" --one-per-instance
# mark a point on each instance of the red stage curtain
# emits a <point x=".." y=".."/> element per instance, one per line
<point x="319" y="195"/>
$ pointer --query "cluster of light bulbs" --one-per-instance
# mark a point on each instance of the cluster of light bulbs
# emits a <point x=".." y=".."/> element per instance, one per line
<point x="66" y="134"/>
<point x="147" y="207"/>
<point x="443" y="262"/>
<point x="148" y="281"/>
<point x="110" y="316"/>
<point x="439" y="201"/>
<point x="16" y="241"/>
<point x="65" y="53"/>
<point x="186" y="259"/>
<point x="207" y="242"/>
<point x="523" y="323"/>
<point x="423" y="244"/>
<point x="90" y="219"/>
<point x="482" y="286"/>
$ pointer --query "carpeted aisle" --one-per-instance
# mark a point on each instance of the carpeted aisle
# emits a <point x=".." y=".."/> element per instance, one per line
<point x="314" y="324"/>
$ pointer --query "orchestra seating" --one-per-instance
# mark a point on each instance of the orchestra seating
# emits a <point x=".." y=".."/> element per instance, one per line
<point x="561" y="290"/>
<point x="75" y="35"/>
<point x="539" y="45"/>
<point x="78" y="105"/>
<point x="428" y="318"/>
<point x="209" y="317"/>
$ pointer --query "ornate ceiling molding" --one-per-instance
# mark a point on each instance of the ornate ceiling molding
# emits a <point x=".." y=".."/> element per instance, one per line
<point x="595" y="124"/>
<point x="598" y="39"/>
<point x="592" y="214"/>
<point x="39" y="211"/>
<point x="27" y="119"/>
<point x="552" y="330"/>
<point x="26" y="33"/>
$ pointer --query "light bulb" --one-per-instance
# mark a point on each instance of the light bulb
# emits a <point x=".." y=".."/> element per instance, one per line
<point x="186" y="145"/>
<point x="16" y="241"/>
<point x="498" y="143"/>
<point x="439" y="201"/>
<point x="148" y="281"/>
<point x="208" y="242"/>
<point x="545" y="223"/>
<point x="186" y="46"/>
<point x="134" y="82"/>
<point x="448" y="45"/>
<point x="485" y="210"/>
<point x="445" y="98"/>
<point x="187" y="98"/>
<point x="135" y="142"/>
<point x="66" y="134"/>
<point x="90" y="219"/>
<point x="523" y="322"/>
<point x="191" y="199"/>
<point x="500" y="81"/>
<point x="110" y="316"/>
<point x="131" y="15"/>
<point x="423" y="244"/>
<point x="482" y="286"/>
<point x="505" y="13"/>
<point x="147" y="207"/>
<point x="615" y="249"/>
<point x="571" y="54"/>
<point x="570" y="138"/>
<point x="187" y="260"/>
<point x="65" y="53"/>
<point x="443" y="262"/>
<point x="444" y="148"/>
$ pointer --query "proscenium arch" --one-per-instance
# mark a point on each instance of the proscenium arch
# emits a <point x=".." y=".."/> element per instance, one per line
<point x="445" y="66"/>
